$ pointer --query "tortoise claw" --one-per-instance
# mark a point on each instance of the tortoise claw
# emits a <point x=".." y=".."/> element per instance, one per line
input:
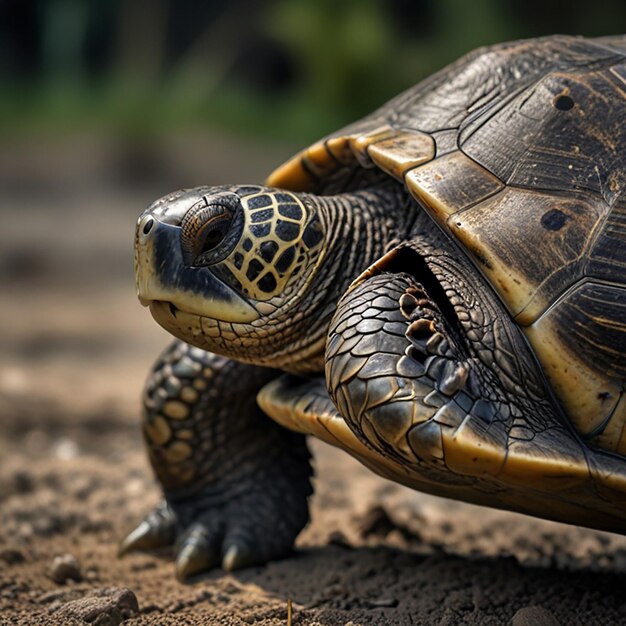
<point x="156" y="531"/>
<point x="199" y="552"/>
<point x="237" y="557"/>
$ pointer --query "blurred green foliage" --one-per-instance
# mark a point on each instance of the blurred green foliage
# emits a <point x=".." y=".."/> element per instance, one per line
<point x="290" y="69"/>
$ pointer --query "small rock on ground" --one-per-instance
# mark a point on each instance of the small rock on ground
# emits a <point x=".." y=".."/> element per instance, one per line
<point x="11" y="556"/>
<point x="104" y="607"/>
<point x="534" y="616"/>
<point x="63" y="568"/>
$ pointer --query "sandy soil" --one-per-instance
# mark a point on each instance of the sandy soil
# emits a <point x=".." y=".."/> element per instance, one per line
<point x="73" y="476"/>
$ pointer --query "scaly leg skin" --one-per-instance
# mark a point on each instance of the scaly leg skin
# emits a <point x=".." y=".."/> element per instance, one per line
<point x="458" y="405"/>
<point x="236" y="484"/>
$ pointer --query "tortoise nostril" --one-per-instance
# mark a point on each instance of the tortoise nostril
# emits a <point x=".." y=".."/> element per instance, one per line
<point x="147" y="226"/>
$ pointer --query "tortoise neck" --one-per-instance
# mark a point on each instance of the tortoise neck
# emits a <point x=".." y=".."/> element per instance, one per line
<point x="360" y="227"/>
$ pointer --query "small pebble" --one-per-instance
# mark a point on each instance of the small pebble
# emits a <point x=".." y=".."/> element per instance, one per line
<point x="91" y="575"/>
<point x="65" y="449"/>
<point x="103" y="607"/>
<point x="11" y="556"/>
<point x="534" y="616"/>
<point x="63" y="568"/>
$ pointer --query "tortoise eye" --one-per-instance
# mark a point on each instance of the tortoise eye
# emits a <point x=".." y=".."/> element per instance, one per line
<point x="213" y="232"/>
<point x="208" y="232"/>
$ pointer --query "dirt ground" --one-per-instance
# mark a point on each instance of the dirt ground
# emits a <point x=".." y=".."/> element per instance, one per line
<point x="75" y="347"/>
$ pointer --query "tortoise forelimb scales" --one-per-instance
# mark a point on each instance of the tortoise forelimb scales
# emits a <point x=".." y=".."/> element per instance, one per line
<point x="236" y="484"/>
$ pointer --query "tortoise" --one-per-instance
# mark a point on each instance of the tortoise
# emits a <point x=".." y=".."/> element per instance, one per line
<point x="439" y="289"/>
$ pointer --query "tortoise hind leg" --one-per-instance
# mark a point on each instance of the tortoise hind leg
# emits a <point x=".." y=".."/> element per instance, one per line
<point x="432" y="399"/>
<point x="235" y="484"/>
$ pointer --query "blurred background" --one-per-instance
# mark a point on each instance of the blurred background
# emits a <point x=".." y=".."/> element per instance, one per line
<point x="106" y="105"/>
<point x="281" y="69"/>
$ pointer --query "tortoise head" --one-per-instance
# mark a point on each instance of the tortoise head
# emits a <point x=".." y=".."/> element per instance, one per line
<point x="221" y="267"/>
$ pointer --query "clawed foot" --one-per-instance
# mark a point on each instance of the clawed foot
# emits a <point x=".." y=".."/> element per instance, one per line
<point x="157" y="530"/>
<point x="236" y="484"/>
<point x="240" y="526"/>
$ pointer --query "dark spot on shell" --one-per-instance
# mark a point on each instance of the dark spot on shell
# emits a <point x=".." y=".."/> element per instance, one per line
<point x="290" y="210"/>
<point x="262" y="216"/>
<point x="563" y="103"/>
<point x="554" y="219"/>
<point x="287" y="231"/>
<point x="260" y="230"/>
<point x="482" y="258"/>
<point x="259" y="202"/>
<point x="283" y="197"/>
<point x="254" y="269"/>
<point x="238" y="260"/>
<point x="247" y="244"/>
<point x="286" y="259"/>
<point x="604" y="395"/>
<point x="268" y="250"/>
<point x="267" y="283"/>
<point x="313" y="233"/>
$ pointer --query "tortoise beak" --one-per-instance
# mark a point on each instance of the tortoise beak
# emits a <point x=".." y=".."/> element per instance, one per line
<point x="161" y="275"/>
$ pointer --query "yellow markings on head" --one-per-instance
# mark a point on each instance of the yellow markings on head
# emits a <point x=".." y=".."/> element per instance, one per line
<point x="281" y="239"/>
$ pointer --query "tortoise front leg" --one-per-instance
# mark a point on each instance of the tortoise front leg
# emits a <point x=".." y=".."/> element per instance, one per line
<point x="235" y="483"/>
<point x="447" y="392"/>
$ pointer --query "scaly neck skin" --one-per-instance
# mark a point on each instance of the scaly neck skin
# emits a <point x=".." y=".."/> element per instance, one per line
<point x="360" y="227"/>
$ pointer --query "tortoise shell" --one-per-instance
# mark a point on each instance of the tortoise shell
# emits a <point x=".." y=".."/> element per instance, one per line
<point x="518" y="152"/>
